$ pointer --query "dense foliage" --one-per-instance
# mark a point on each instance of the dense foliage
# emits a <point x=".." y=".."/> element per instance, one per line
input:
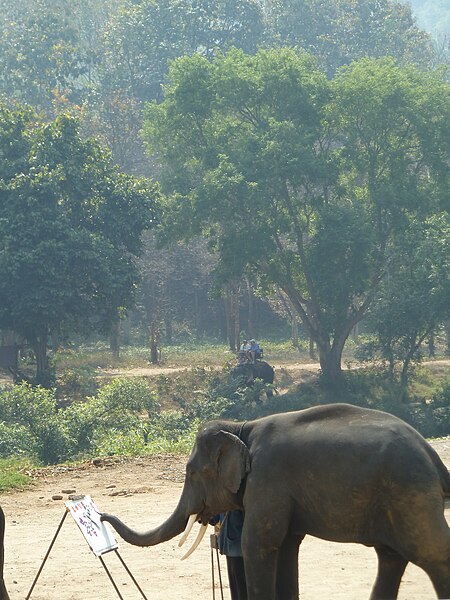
<point x="78" y="222"/>
<point x="70" y="224"/>
<point x="321" y="182"/>
<point x="138" y="417"/>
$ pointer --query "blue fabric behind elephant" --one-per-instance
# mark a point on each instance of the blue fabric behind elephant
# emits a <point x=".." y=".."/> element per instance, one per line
<point x="229" y="543"/>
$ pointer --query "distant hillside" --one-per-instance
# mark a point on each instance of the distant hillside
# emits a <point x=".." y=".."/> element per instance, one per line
<point x="432" y="15"/>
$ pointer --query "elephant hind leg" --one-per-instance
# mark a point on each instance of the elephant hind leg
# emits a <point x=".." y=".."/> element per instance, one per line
<point x="432" y="551"/>
<point x="440" y="577"/>
<point x="391" y="567"/>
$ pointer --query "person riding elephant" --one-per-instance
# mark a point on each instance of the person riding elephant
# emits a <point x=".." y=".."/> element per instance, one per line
<point x="255" y="351"/>
<point x="337" y="472"/>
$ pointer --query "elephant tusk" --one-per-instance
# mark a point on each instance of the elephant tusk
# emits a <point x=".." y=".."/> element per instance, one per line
<point x="187" y="530"/>
<point x="198" y="539"/>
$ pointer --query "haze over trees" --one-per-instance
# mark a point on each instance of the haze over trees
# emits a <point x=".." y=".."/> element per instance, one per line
<point x="320" y="181"/>
<point x="70" y="224"/>
<point x="287" y="114"/>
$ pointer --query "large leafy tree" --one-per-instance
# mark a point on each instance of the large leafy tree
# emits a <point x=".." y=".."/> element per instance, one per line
<point x="70" y="225"/>
<point x="413" y="299"/>
<point x="339" y="31"/>
<point x="41" y="59"/>
<point x="141" y="39"/>
<point x="302" y="180"/>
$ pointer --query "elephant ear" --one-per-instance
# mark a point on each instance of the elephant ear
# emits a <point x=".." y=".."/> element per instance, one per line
<point x="233" y="461"/>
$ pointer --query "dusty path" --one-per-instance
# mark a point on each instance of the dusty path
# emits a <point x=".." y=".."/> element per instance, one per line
<point x="146" y="491"/>
<point x="289" y="366"/>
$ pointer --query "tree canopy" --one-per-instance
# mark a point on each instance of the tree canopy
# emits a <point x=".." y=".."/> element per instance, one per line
<point x="304" y="180"/>
<point x="70" y="224"/>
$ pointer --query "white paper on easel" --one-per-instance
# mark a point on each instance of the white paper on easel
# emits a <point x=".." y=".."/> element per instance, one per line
<point x="87" y="517"/>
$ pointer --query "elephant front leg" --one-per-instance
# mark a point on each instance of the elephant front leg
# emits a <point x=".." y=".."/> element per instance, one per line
<point x="263" y="545"/>
<point x="261" y="574"/>
<point x="287" y="568"/>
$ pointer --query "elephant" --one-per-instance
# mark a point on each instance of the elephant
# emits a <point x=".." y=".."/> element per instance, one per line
<point x="3" y="592"/>
<point x="260" y="369"/>
<point x="337" y="472"/>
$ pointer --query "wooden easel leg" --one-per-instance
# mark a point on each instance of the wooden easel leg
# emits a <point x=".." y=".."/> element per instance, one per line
<point x="101" y="560"/>
<point x="213" y="583"/>
<point x="130" y="574"/>
<point x="47" y="554"/>
<point x="110" y="578"/>
<point x="220" y="573"/>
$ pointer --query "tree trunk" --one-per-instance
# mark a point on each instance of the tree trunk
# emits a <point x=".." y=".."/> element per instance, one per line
<point x="168" y="322"/>
<point x="153" y="344"/>
<point x="197" y="315"/>
<point x="114" y="335"/>
<point x="447" y="337"/>
<point x="404" y="378"/>
<point x="355" y="333"/>
<point x="232" y="313"/>
<point x="251" y="311"/>
<point x="431" y="345"/>
<point x="39" y="345"/>
<point x="290" y="308"/>
<point x="226" y="304"/>
<point x="236" y="319"/>
<point x="312" y="352"/>
<point x="294" y="331"/>
<point x="330" y="358"/>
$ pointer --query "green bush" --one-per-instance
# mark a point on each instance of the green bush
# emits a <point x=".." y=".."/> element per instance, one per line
<point x="15" y="440"/>
<point x="31" y="423"/>
<point x="23" y="407"/>
<point x="118" y="407"/>
<point x="441" y="397"/>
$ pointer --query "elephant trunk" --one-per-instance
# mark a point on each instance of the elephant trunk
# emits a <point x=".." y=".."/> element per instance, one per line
<point x="172" y="527"/>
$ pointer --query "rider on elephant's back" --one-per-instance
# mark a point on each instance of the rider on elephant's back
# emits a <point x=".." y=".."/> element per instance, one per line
<point x="249" y="352"/>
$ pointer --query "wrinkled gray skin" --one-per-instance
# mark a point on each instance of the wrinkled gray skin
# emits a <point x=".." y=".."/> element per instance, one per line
<point x="3" y="592"/>
<point x="251" y="371"/>
<point x="336" y="472"/>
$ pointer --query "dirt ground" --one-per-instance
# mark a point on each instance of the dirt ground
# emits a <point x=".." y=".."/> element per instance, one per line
<point x="143" y="492"/>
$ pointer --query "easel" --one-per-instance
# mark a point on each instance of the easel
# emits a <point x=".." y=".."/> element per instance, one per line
<point x="214" y="546"/>
<point x="99" y="555"/>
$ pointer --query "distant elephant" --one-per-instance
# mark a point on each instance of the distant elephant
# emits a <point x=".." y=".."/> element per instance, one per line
<point x="336" y="472"/>
<point x="3" y="592"/>
<point x="260" y="369"/>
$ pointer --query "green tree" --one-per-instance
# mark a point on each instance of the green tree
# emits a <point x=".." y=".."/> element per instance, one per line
<point x="70" y="224"/>
<point x="338" y="32"/>
<point x="299" y="179"/>
<point x="140" y="40"/>
<point x="41" y="60"/>
<point x="414" y="296"/>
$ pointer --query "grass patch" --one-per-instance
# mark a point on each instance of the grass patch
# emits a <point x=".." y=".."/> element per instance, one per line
<point x="12" y="476"/>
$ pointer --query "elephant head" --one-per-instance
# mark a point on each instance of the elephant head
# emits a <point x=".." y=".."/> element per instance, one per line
<point x="215" y="471"/>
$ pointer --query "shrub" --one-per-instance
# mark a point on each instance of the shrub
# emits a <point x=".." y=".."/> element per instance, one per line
<point x="15" y="440"/>
<point x="24" y="408"/>
<point x="116" y="408"/>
